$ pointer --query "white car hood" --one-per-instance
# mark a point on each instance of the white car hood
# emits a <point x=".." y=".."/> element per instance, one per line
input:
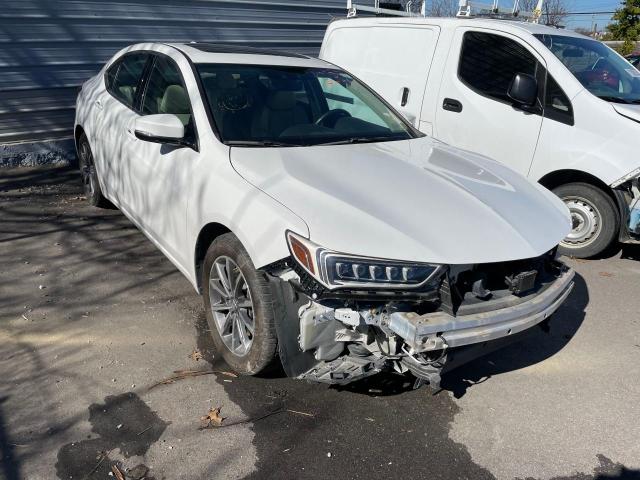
<point x="629" y="111"/>
<point x="417" y="200"/>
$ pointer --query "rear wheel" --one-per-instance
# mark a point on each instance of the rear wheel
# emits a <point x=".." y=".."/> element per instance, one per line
<point x="89" y="174"/>
<point x="239" y="307"/>
<point x="594" y="217"/>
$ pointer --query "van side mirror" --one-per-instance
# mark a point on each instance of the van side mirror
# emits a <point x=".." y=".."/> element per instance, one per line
<point x="523" y="90"/>
<point x="160" y="128"/>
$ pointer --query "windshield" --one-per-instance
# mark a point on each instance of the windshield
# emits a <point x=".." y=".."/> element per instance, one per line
<point x="600" y="70"/>
<point x="292" y="106"/>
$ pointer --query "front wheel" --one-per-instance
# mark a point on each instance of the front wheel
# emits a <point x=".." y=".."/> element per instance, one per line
<point x="239" y="307"/>
<point x="594" y="217"/>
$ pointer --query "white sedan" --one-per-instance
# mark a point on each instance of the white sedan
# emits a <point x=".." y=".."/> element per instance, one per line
<point x="320" y="227"/>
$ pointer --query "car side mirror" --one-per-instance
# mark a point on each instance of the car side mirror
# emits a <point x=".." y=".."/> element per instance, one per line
<point x="160" y="128"/>
<point x="523" y="90"/>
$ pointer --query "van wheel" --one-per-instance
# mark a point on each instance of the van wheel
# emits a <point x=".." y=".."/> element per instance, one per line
<point x="89" y="175"/>
<point x="239" y="307"/>
<point x="594" y="217"/>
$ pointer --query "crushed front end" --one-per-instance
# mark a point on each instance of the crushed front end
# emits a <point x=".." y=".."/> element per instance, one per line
<point x="627" y="192"/>
<point x="386" y="315"/>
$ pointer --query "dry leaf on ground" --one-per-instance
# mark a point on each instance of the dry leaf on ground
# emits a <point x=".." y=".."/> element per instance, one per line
<point x="195" y="355"/>
<point x="213" y="418"/>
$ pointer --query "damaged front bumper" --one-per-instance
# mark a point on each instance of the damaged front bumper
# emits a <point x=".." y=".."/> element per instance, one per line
<point x="340" y="339"/>
<point x="438" y="330"/>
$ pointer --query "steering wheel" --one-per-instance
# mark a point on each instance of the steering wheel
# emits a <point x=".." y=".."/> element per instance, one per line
<point x="329" y="119"/>
<point x="603" y="77"/>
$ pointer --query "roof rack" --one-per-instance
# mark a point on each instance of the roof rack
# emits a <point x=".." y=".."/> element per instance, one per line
<point x="468" y="9"/>
<point x="382" y="8"/>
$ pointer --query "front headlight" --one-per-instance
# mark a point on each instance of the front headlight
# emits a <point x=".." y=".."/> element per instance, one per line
<point x="339" y="270"/>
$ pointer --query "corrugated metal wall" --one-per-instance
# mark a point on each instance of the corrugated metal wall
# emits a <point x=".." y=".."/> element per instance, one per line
<point x="49" y="47"/>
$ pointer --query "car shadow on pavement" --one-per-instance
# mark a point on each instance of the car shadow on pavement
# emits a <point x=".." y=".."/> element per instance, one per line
<point x="630" y="252"/>
<point x="8" y="461"/>
<point x="540" y="344"/>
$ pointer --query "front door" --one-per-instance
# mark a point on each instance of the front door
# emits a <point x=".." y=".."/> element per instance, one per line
<point x="161" y="173"/>
<point x="474" y="111"/>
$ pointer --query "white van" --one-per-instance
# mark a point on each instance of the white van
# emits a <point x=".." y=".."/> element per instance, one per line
<point x="556" y="106"/>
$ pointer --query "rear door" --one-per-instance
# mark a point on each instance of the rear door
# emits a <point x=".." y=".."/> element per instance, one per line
<point x="116" y="111"/>
<point x="392" y="59"/>
<point x="474" y="111"/>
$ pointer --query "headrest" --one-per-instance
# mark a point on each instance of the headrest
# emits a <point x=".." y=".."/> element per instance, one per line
<point x="282" y="100"/>
<point x="175" y="100"/>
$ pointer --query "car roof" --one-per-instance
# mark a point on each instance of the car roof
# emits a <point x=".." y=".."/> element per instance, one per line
<point x="511" y="26"/>
<point x="237" y="54"/>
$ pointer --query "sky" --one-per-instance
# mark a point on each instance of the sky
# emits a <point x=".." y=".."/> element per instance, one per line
<point x="586" y="21"/>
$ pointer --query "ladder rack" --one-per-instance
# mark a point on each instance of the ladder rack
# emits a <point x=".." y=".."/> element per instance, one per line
<point x="353" y="8"/>
<point x="466" y="9"/>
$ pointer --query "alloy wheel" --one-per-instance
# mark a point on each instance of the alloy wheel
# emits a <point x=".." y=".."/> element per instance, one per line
<point x="87" y="170"/>
<point x="231" y="305"/>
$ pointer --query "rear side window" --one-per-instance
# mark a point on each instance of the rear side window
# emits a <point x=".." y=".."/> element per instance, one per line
<point x="489" y="62"/>
<point x="123" y="84"/>
<point x="557" y="105"/>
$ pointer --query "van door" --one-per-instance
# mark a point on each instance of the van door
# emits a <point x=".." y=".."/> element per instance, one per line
<point x="394" y="60"/>
<point x="474" y="111"/>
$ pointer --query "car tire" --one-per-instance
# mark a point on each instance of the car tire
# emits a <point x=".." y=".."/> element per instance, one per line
<point x="89" y="174"/>
<point x="240" y="310"/>
<point x="594" y="216"/>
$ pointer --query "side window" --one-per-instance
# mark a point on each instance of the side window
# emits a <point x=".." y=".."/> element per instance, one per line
<point x="110" y="76"/>
<point x="166" y="92"/>
<point x="489" y="62"/>
<point x="557" y="105"/>
<point x="124" y="85"/>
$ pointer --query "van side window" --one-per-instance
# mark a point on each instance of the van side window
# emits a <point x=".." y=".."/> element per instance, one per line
<point x="489" y="62"/>
<point x="124" y="85"/>
<point x="557" y="105"/>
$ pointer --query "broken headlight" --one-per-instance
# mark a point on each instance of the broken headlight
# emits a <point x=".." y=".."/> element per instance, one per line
<point x="339" y="270"/>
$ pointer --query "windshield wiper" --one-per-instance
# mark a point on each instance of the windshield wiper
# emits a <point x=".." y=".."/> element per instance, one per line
<point x="610" y="98"/>
<point x="259" y="143"/>
<point x="346" y="141"/>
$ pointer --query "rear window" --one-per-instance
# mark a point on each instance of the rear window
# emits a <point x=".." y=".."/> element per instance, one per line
<point x="123" y="82"/>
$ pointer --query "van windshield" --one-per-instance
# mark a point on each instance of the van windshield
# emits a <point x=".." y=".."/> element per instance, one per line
<point x="258" y="105"/>
<point x="598" y="68"/>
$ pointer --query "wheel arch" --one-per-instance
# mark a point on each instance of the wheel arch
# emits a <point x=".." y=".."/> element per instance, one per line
<point x="561" y="177"/>
<point x="207" y="235"/>
<point x="77" y="132"/>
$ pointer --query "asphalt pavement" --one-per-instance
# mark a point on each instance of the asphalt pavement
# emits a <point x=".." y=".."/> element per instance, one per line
<point x="94" y="321"/>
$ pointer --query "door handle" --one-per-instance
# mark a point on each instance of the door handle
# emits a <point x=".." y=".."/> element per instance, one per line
<point x="405" y="96"/>
<point x="98" y="104"/>
<point x="452" y="105"/>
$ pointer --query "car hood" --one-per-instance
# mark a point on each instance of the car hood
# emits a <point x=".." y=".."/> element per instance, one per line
<point x="629" y="111"/>
<point x="417" y="200"/>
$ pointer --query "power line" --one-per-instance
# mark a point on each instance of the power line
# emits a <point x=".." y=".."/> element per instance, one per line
<point x="590" y="13"/>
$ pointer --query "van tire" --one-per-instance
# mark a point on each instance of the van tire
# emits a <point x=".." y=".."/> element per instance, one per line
<point x="263" y="348"/>
<point x="595" y="220"/>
